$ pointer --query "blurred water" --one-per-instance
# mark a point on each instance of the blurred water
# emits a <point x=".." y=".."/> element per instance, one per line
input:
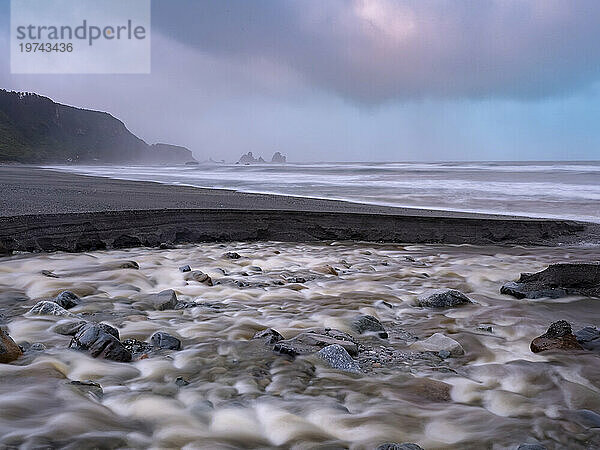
<point x="242" y="395"/>
<point x="540" y="189"/>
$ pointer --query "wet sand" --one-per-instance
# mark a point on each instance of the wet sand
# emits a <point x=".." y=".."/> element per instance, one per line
<point x="42" y="210"/>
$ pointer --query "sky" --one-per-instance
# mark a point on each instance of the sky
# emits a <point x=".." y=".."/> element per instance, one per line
<point x="356" y="80"/>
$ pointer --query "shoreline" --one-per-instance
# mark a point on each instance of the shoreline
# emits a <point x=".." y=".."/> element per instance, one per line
<point x="44" y="210"/>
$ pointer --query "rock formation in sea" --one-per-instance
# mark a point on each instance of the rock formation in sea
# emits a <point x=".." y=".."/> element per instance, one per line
<point x="249" y="158"/>
<point x="35" y="129"/>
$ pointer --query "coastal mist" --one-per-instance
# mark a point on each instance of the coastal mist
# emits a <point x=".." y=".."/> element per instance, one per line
<point x="223" y="389"/>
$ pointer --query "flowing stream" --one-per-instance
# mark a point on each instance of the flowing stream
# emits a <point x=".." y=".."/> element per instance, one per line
<point x="241" y="394"/>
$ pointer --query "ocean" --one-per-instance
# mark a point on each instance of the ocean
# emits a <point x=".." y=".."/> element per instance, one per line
<point x="566" y="190"/>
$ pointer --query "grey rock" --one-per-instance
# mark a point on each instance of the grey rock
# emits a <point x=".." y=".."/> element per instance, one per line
<point x="35" y="347"/>
<point x="589" y="338"/>
<point x="164" y="300"/>
<point x="313" y="340"/>
<point x="269" y="335"/>
<point x="337" y="357"/>
<point x="587" y="418"/>
<point x="87" y="387"/>
<point x="49" y="274"/>
<point x="68" y="328"/>
<point x="185" y="268"/>
<point x="48" y="308"/>
<point x="180" y="381"/>
<point x="365" y="324"/>
<point x="438" y="343"/>
<point x="255" y="268"/>
<point x="443" y="298"/>
<point x="199" y="276"/>
<point x="164" y="340"/>
<point x="531" y="447"/>
<point x="99" y="341"/>
<point x="394" y="446"/>
<point x="128" y="265"/>
<point x="66" y="299"/>
<point x="231" y="255"/>
<point x="558" y="280"/>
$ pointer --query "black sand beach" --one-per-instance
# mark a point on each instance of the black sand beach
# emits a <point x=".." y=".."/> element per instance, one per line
<point x="49" y="210"/>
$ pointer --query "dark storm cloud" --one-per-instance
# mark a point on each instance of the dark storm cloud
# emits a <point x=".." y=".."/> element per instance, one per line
<point x="380" y="50"/>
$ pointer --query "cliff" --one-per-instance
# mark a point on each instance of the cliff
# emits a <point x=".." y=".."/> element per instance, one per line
<point x="35" y="129"/>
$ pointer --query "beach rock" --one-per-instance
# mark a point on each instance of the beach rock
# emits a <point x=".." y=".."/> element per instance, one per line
<point x="68" y="328"/>
<point x="558" y="337"/>
<point x="163" y="300"/>
<point x="438" y="343"/>
<point x="185" y="268"/>
<point x="311" y="341"/>
<point x="87" y="387"/>
<point x="558" y="280"/>
<point x="395" y="446"/>
<point x="231" y="255"/>
<point x="269" y="336"/>
<point x="365" y="324"/>
<point x="337" y="357"/>
<point x="49" y="308"/>
<point x="443" y="298"/>
<point x="199" y="276"/>
<point x="136" y="347"/>
<point x="66" y="299"/>
<point x="99" y="340"/>
<point x="9" y="350"/>
<point x="589" y="338"/>
<point x="164" y="340"/>
<point x="49" y="274"/>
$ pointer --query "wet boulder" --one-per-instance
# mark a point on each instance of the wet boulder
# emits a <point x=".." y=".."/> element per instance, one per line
<point x="589" y="338"/>
<point x="395" y="446"/>
<point x="66" y="299"/>
<point x="136" y="347"/>
<point x="164" y="340"/>
<point x="163" y="300"/>
<point x="87" y="387"/>
<point x="438" y="343"/>
<point x="443" y="298"/>
<point x="368" y="324"/>
<point x="231" y="255"/>
<point x="9" y="350"/>
<point x="269" y="336"/>
<point x="49" y="308"/>
<point x="313" y="340"/>
<point x="99" y="341"/>
<point x="199" y="276"/>
<point x="337" y="357"/>
<point x="558" y="337"/>
<point x="558" y="280"/>
<point x="185" y="268"/>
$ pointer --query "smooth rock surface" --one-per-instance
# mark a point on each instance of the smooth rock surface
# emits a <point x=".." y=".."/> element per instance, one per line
<point x="443" y="298"/>
<point x="558" y="280"/>
<point x="199" y="276"/>
<point x="164" y="300"/>
<point x="66" y="299"/>
<point x="164" y="340"/>
<point x="589" y="338"/>
<point x="337" y="357"/>
<point x="269" y="335"/>
<point x="438" y="343"/>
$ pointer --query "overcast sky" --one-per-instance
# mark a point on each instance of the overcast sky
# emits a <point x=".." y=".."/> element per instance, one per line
<point x="349" y="80"/>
